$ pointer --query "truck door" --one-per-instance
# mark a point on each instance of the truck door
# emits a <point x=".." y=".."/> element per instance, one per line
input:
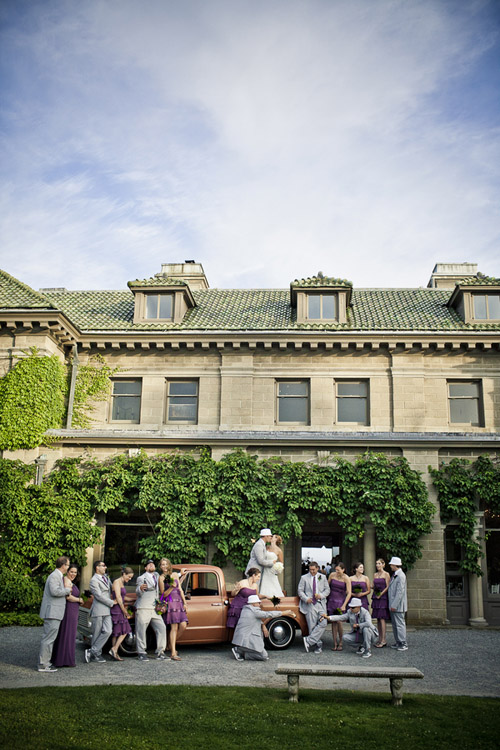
<point x="206" y="608"/>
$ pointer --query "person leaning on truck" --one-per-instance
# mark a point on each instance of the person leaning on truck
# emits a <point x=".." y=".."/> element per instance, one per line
<point x="147" y="593"/>
<point x="248" y="641"/>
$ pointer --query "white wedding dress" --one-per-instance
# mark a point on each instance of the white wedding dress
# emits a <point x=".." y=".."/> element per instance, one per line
<point x="269" y="583"/>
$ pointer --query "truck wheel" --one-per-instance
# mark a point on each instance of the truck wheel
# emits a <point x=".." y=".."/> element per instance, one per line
<point x="128" y="646"/>
<point x="281" y="633"/>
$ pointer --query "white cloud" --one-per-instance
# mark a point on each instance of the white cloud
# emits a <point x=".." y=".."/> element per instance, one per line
<point x="268" y="140"/>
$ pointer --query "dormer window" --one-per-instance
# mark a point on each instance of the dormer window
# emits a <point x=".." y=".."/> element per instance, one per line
<point x="322" y="307"/>
<point x="486" y="306"/>
<point x="159" y="306"/>
<point x="478" y="300"/>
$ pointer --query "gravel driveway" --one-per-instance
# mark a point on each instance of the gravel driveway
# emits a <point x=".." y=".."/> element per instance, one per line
<point x="461" y="661"/>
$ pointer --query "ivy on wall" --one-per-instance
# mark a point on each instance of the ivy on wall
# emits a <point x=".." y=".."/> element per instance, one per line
<point x="465" y="487"/>
<point x="92" y="384"/>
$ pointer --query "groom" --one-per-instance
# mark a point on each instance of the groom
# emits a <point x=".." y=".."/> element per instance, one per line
<point x="258" y="554"/>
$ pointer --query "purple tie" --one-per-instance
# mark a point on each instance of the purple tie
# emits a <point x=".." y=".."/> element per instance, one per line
<point x="314" y="589"/>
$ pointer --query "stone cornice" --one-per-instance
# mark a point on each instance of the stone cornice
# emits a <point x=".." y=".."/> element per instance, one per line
<point x="51" y="322"/>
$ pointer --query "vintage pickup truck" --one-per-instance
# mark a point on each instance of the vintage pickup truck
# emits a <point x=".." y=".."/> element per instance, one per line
<point x="207" y="602"/>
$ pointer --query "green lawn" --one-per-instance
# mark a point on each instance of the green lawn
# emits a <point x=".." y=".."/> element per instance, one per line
<point x="175" y="717"/>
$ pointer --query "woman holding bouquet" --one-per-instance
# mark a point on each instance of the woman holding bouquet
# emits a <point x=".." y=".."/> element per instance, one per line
<point x="63" y="652"/>
<point x="360" y="584"/>
<point x="269" y="583"/>
<point x="119" y="613"/>
<point x="340" y="593"/>
<point x="171" y="592"/>
<point x="241" y="591"/>
<point x="380" y="601"/>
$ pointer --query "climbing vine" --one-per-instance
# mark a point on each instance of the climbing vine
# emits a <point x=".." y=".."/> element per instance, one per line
<point x="464" y="487"/>
<point x="92" y="384"/>
<point x="32" y="400"/>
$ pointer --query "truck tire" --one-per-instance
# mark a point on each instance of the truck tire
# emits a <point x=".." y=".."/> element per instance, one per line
<point x="281" y="633"/>
<point x="128" y="646"/>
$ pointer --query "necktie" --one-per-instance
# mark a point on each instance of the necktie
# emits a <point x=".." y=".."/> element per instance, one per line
<point x="314" y="589"/>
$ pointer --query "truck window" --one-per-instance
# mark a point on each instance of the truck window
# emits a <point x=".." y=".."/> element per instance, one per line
<point x="201" y="584"/>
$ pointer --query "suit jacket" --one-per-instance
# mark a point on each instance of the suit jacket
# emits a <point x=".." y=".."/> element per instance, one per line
<point x="101" y="591"/>
<point x="364" y="619"/>
<point x="55" y="592"/>
<point x="258" y="557"/>
<point x="248" y="631"/>
<point x="146" y="599"/>
<point x="305" y="592"/>
<point x="397" y="592"/>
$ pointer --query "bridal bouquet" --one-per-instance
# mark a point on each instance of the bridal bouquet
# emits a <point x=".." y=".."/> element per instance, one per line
<point x="277" y="568"/>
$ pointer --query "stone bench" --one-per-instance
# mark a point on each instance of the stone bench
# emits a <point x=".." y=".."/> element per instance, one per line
<point x="395" y="675"/>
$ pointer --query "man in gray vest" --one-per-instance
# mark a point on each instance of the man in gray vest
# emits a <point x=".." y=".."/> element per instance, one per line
<point x="398" y="604"/>
<point x="313" y="592"/>
<point x="363" y="632"/>
<point x="258" y="555"/>
<point x="145" y="614"/>
<point x="100" y="612"/>
<point x="52" y="612"/>
<point x="248" y="641"/>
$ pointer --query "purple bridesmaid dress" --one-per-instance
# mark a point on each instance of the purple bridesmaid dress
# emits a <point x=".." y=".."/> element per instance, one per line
<point x="63" y="652"/>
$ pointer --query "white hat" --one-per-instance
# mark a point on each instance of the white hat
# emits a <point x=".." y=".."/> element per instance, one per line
<point x="355" y="602"/>
<point x="266" y="532"/>
<point x="253" y="599"/>
<point x="395" y="561"/>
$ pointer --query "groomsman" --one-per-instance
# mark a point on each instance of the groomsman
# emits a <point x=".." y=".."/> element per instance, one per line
<point x="248" y="641"/>
<point x="100" y="612"/>
<point x="398" y="604"/>
<point x="363" y="632"/>
<point x="52" y="612"/>
<point x="313" y="591"/>
<point x="145" y="614"/>
<point x="258" y="558"/>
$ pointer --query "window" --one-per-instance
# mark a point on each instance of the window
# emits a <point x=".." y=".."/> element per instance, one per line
<point x="182" y="401"/>
<point x="486" y="306"/>
<point x="159" y="306"/>
<point x="322" y="306"/>
<point x="492" y="523"/>
<point x="352" y="401"/>
<point x="465" y="402"/>
<point x="201" y="584"/>
<point x="126" y="401"/>
<point x="455" y="579"/>
<point x="293" y="401"/>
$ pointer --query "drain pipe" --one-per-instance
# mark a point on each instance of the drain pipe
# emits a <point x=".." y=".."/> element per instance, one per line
<point x="71" y="398"/>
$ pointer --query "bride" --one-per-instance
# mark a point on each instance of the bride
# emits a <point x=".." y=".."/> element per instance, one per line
<point x="269" y="582"/>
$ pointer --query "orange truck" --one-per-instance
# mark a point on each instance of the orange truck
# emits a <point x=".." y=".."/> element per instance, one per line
<point x="207" y="604"/>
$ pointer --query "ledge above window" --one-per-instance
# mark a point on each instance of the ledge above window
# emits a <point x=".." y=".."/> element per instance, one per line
<point x="321" y="299"/>
<point x="160" y="299"/>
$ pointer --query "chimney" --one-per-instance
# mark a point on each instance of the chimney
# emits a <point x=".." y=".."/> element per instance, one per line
<point x="189" y="271"/>
<point x="446" y="275"/>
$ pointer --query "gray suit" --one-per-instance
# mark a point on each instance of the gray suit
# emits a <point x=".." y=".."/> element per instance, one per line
<point x="367" y="630"/>
<point x="398" y="599"/>
<point x="258" y="557"/>
<point x="52" y="612"/>
<point x="100" y="588"/>
<point x="248" y="639"/>
<point x="314" y="609"/>
<point x="145" y="614"/>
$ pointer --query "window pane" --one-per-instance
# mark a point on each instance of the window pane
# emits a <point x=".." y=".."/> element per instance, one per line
<point x="152" y="306"/>
<point x="126" y="408"/>
<point x="165" y="305"/>
<point x="493" y="562"/>
<point x="351" y="389"/>
<point x="464" y="410"/>
<point x="468" y="390"/>
<point x="314" y="307"/>
<point x="292" y="410"/>
<point x="179" y="389"/>
<point x="480" y="306"/>
<point x="329" y="306"/>
<point x="494" y="306"/>
<point x="293" y="389"/>
<point x="129" y="387"/>
<point x="352" y="410"/>
<point x="182" y="409"/>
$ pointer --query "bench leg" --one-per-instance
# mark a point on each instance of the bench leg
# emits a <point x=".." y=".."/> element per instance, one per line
<point x="397" y="691"/>
<point x="293" y="687"/>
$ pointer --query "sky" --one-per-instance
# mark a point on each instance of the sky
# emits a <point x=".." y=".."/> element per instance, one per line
<point x="266" y="139"/>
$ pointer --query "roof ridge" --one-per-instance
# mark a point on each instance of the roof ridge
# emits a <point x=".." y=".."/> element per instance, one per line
<point x="25" y="288"/>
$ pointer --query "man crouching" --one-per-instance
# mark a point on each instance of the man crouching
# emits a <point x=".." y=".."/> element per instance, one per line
<point x="363" y="632"/>
<point x="248" y="641"/>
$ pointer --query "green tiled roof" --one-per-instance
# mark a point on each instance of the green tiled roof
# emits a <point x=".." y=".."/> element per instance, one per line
<point x="478" y="280"/>
<point x="312" y="281"/>
<point x="14" y="294"/>
<point x="157" y="281"/>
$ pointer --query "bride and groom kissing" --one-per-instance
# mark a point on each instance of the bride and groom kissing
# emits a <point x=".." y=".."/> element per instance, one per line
<point x="267" y="556"/>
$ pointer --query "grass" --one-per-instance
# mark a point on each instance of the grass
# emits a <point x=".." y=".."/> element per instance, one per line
<point x="172" y="717"/>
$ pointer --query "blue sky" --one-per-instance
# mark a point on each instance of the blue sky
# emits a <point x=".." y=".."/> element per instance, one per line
<point x="266" y="139"/>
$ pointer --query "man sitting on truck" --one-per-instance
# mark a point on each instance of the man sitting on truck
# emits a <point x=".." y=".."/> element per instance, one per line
<point x="248" y="641"/>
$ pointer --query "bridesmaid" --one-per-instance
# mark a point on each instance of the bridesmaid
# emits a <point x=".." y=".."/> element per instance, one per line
<point x="340" y="593"/>
<point x="119" y="614"/>
<point x="63" y="653"/>
<point x="380" y="601"/>
<point x="175" y="615"/>
<point x="362" y="582"/>
<point x="241" y="591"/>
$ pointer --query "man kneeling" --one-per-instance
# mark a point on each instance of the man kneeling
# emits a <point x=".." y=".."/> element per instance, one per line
<point x="248" y="641"/>
<point x="363" y="632"/>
